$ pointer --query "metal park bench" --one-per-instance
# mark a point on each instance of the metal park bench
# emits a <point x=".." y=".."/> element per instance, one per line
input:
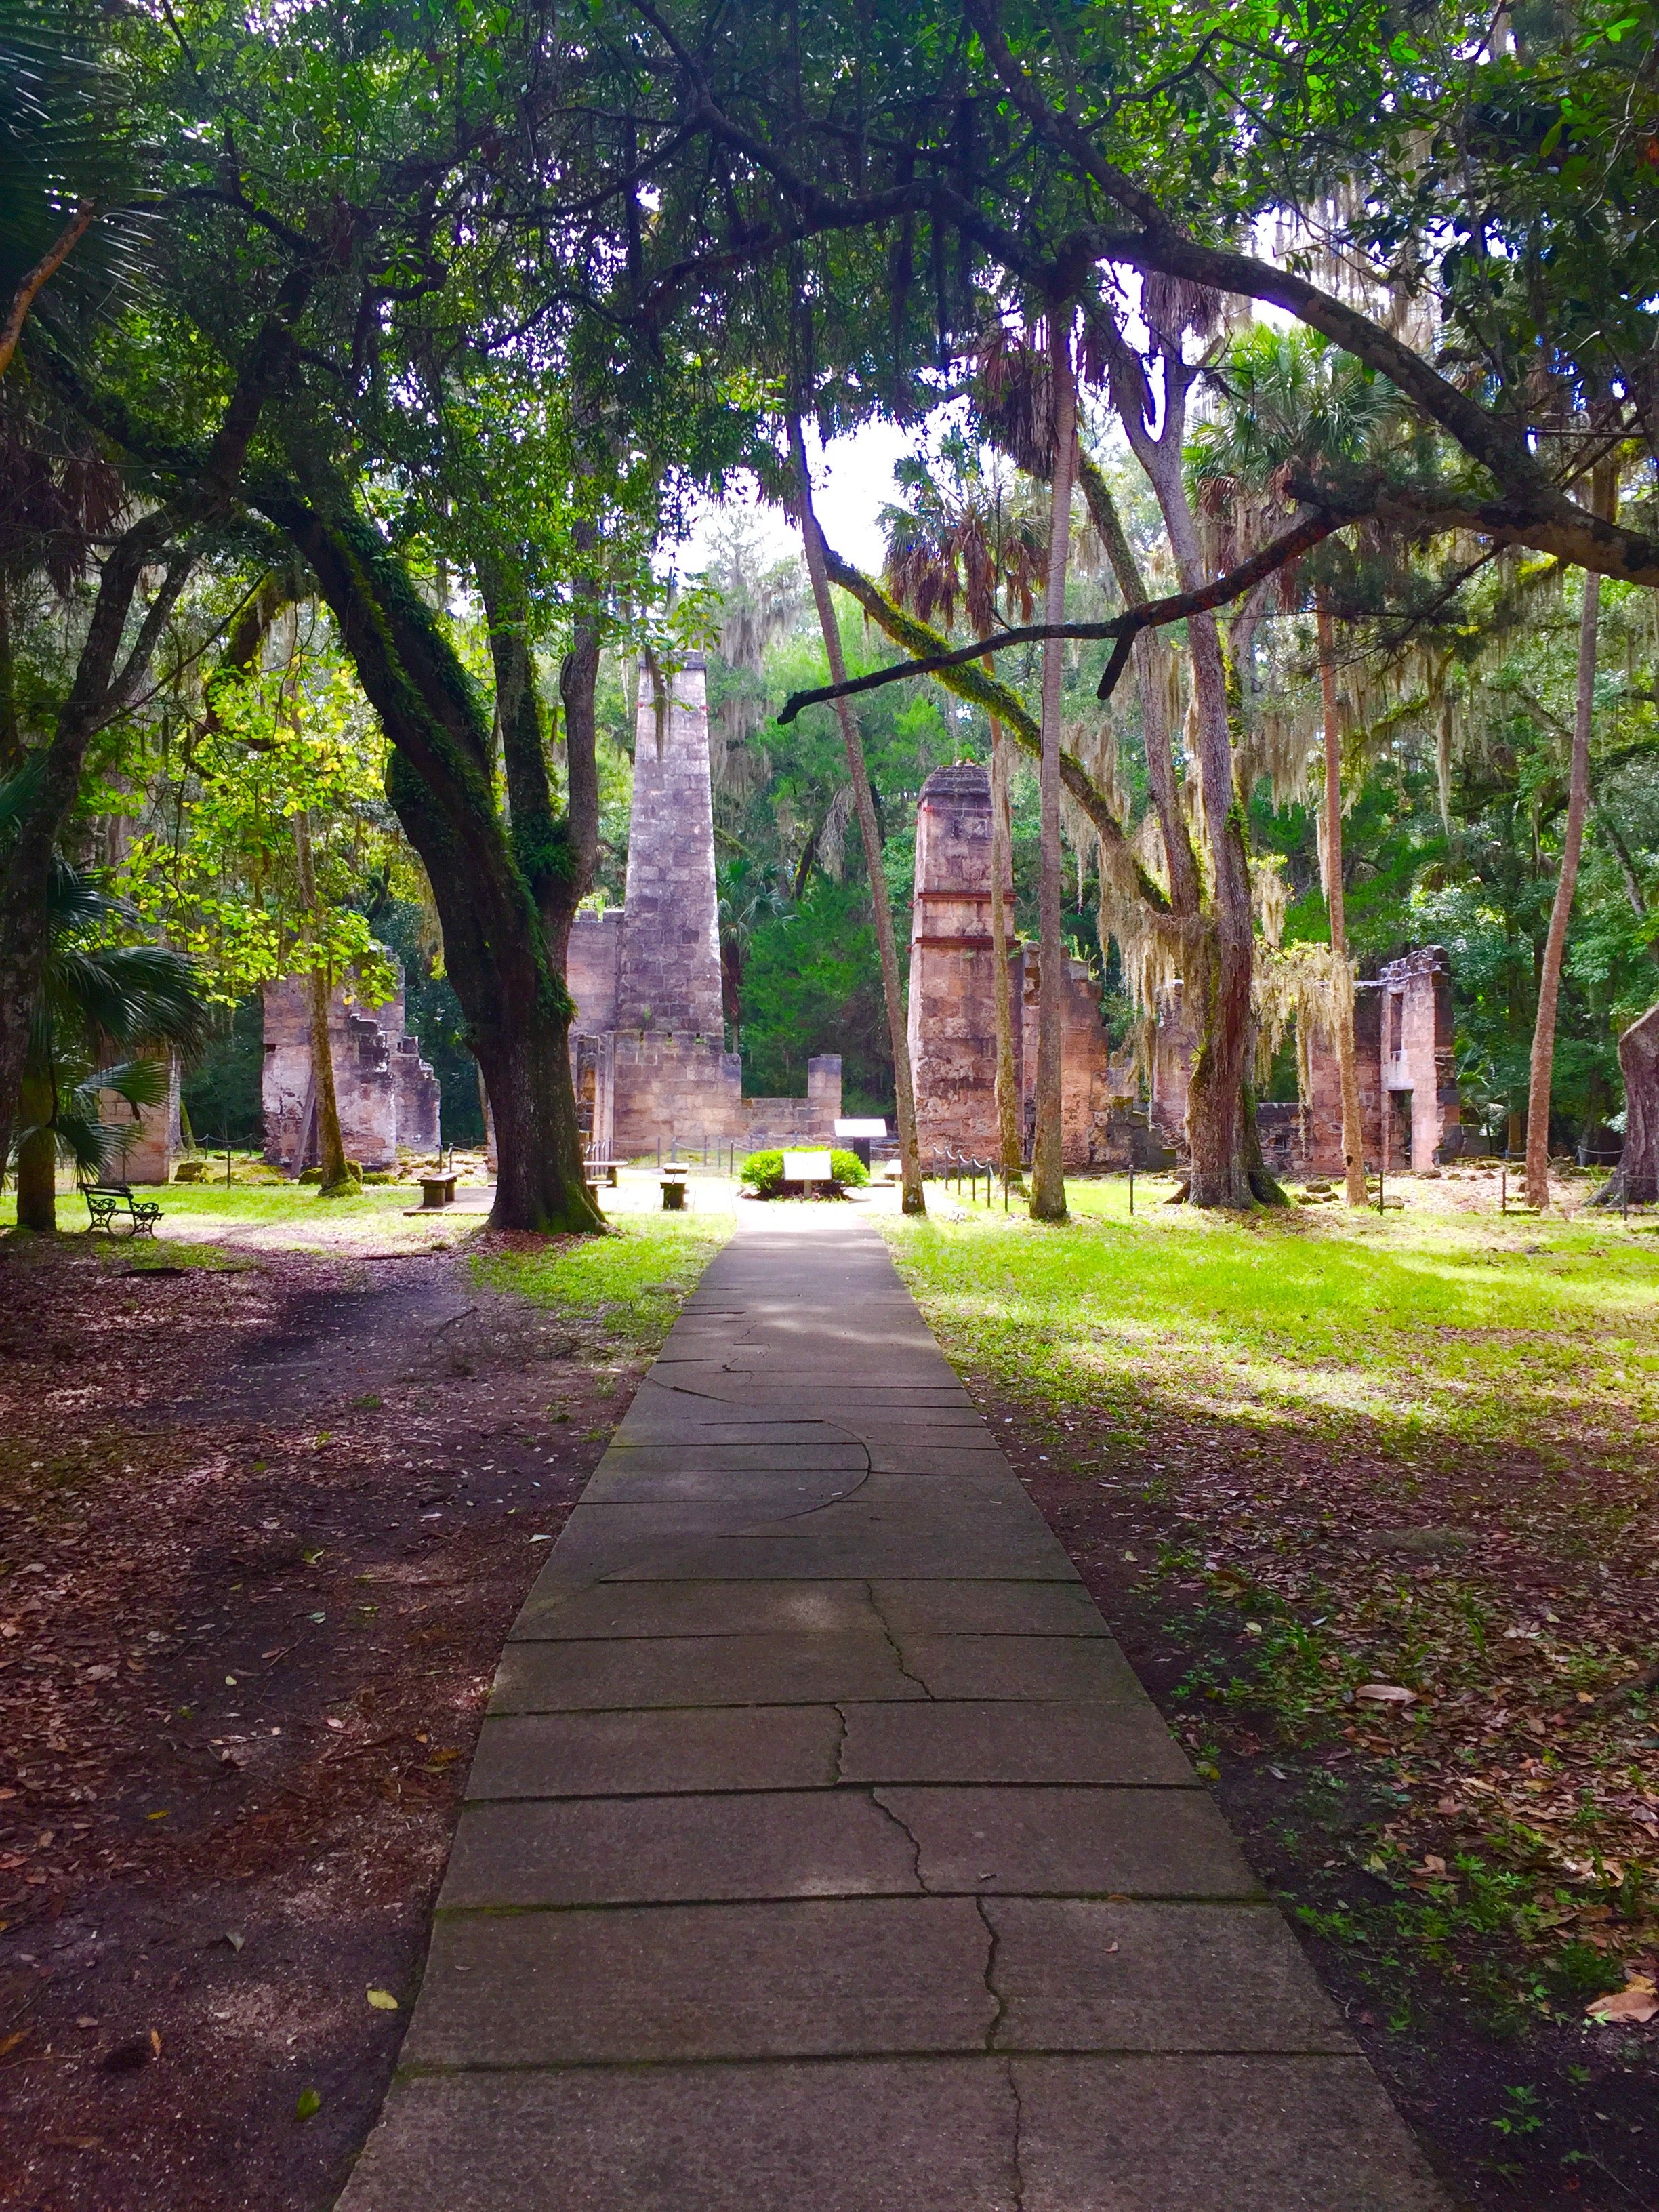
<point x="106" y="1201"/>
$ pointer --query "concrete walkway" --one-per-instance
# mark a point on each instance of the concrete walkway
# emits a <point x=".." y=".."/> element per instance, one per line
<point x="821" y="1854"/>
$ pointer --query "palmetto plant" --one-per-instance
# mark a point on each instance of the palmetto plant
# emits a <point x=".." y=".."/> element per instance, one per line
<point x="68" y="167"/>
<point x="103" y="1012"/>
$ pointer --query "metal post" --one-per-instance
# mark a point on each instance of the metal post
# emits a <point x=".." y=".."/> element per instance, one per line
<point x="1132" y="1186"/>
<point x="1504" y="1185"/>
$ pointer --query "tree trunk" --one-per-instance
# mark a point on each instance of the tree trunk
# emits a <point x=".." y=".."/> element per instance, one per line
<point x="1048" y="1162"/>
<point x="912" y="1199"/>
<point x="100" y="688"/>
<point x="37" y="1158"/>
<point x="1637" y="1182"/>
<point x="1220" y="966"/>
<point x="1353" y="1132"/>
<point x="1007" y="1089"/>
<point x="1566" y="883"/>
<point x="1151" y="658"/>
<point x="518" y="1010"/>
<point x="340" y="1178"/>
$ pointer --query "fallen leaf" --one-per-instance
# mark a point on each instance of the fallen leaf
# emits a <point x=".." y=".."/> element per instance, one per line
<point x="235" y="1941"/>
<point x="85" y="2020"/>
<point x="1637" y="2002"/>
<point x="155" y="2041"/>
<point x="9" y="2043"/>
<point x="383" y="2001"/>
<point x="1386" y="1693"/>
<point x="310" y="2104"/>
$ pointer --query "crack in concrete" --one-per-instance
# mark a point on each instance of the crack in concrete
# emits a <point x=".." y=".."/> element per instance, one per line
<point x="905" y="1830"/>
<point x="1019" y="2142"/>
<point x="991" y="1988"/>
<point x="897" y="1649"/>
<point x="841" y="1744"/>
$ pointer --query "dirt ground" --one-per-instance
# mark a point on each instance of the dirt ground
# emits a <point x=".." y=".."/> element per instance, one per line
<point x="265" y="1520"/>
<point x="1525" y="2107"/>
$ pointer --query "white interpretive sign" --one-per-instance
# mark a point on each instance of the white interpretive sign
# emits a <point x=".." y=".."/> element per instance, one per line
<point x="806" y="1167"/>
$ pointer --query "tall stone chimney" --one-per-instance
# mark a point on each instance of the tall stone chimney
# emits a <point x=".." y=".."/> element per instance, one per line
<point x="670" y="975"/>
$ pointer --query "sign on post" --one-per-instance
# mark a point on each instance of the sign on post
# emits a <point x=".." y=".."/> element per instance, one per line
<point x="806" y="1167"/>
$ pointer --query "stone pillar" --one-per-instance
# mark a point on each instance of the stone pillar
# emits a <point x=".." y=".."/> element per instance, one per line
<point x="669" y="976"/>
<point x="149" y="1144"/>
<point x="953" y="1049"/>
<point x="1418" y="1058"/>
<point x="419" y="1097"/>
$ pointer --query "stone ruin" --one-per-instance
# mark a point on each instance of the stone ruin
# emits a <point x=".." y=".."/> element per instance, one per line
<point x="648" y="1039"/>
<point x="388" y="1096"/>
<point x="151" y="1141"/>
<point x="648" y="1042"/>
<point x="1403" y="1035"/>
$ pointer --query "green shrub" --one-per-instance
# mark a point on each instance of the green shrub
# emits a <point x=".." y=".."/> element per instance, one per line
<point x="763" y="1171"/>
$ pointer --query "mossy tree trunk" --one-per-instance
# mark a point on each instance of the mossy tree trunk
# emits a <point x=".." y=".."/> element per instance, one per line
<point x="37" y="1158"/>
<point x="1542" y="1069"/>
<point x="496" y="946"/>
<point x="1047" y="1162"/>
<point x="1353" y="1132"/>
<point x="1009" y="1146"/>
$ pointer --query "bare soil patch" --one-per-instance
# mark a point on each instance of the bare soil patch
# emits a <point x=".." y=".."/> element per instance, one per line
<point x="264" y="1524"/>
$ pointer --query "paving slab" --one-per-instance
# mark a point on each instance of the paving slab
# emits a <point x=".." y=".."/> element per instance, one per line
<point x="821" y="1852"/>
<point x="693" y="1608"/>
<point x="1080" y="1974"/>
<point x="781" y="1667"/>
<point x="1026" y="1667"/>
<point x="819" y="1978"/>
<point x="847" y="2135"/>
<point x="1214" y="2135"/>
<point x="987" y="1608"/>
<point x="652" y="1850"/>
<point x="648" y="1754"/>
<point x="1070" y="1842"/>
<point x="1011" y="1743"/>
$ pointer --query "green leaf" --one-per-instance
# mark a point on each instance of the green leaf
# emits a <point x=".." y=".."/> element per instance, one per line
<point x="309" y="2105"/>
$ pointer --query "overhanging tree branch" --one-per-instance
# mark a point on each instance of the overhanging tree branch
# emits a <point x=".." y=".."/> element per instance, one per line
<point x="940" y="660"/>
<point x="970" y="681"/>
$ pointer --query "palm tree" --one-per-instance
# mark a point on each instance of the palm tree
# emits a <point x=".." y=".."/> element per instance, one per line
<point x="1292" y="399"/>
<point x="960" y="541"/>
<point x="66" y="166"/>
<point x="101" y="1013"/>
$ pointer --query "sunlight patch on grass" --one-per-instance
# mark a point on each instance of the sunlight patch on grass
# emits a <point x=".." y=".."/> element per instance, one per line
<point x="1457" y="1328"/>
<point x="634" y="1280"/>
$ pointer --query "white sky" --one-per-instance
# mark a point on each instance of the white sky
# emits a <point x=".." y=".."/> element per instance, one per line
<point x="850" y="487"/>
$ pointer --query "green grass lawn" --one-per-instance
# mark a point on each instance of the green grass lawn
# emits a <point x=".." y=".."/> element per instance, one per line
<point x="284" y="1215"/>
<point x="1342" y="1450"/>
<point x="1437" y="1330"/>
<point x="634" y="1280"/>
